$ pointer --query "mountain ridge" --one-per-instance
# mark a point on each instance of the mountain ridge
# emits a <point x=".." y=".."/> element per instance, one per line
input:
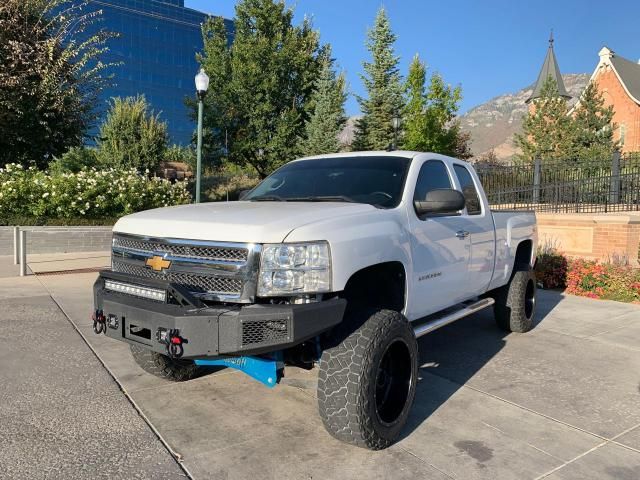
<point x="493" y="124"/>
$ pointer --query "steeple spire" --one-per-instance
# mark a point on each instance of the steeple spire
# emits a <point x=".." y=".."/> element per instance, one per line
<point x="549" y="69"/>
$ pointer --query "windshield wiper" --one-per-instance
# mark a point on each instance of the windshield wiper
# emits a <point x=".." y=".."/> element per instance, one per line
<point x="267" y="198"/>
<point x="322" y="198"/>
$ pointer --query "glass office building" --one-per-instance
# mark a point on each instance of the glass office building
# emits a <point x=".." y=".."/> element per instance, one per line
<point x="156" y="47"/>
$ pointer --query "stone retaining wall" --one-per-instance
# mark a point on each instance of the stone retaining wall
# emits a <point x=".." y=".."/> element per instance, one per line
<point x="592" y="236"/>
<point x="58" y="239"/>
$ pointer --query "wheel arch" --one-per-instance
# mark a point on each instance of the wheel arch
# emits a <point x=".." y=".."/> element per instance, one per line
<point x="524" y="253"/>
<point x="383" y="285"/>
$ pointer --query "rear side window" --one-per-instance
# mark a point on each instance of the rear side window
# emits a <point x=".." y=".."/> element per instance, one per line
<point x="468" y="190"/>
<point x="433" y="175"/>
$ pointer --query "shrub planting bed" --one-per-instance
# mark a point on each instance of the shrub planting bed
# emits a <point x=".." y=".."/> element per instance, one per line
<point x="589" y="278"/>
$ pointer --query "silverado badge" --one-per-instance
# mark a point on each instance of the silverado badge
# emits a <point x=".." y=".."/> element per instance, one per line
<point x="158" y="263"/>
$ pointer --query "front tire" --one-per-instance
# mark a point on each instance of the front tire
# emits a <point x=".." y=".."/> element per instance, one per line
<point x="367" y="379"/>
<point x="515" y="302"/>
<point x="163" y="366"/>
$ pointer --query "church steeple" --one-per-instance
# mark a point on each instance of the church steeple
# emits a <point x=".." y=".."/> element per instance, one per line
<point x="549" y="69"/>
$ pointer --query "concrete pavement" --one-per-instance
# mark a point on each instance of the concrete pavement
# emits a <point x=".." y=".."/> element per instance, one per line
<point x="561" y="402"/>
<point x="62" y="414"/>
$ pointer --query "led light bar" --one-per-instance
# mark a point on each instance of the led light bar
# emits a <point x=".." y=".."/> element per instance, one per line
<point x="136" y="290"/>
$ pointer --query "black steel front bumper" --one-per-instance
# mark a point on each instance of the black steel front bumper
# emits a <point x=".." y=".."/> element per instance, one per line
<point x="209" y="331"/>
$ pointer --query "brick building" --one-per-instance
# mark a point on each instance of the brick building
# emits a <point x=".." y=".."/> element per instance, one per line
<point x="618" y="80"/>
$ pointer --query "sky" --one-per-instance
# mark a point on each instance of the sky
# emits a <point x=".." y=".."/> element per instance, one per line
<point x="489" y="47"/>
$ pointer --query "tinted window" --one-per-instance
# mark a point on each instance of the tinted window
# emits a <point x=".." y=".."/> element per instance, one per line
<point x="433" y="175"/>
<point x="468" y="190"/>
<point x="377" y="181"/>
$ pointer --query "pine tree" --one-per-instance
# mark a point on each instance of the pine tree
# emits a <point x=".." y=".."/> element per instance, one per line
<point x="547" y="130"/>
<point x="429" y="115"/>
<point x="593" y="124"/>
<point x="374" y="130"/>
<point x="328" y="117"/>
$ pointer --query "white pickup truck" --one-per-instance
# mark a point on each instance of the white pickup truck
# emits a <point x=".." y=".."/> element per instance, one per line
<point x="341" y="260"/>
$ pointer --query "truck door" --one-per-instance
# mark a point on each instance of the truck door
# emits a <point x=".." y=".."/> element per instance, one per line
<point x="439" y="249"/>
<point x="477" y="220"/>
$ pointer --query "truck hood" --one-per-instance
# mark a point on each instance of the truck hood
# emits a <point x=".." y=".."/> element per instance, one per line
<point x="249" y="222"/>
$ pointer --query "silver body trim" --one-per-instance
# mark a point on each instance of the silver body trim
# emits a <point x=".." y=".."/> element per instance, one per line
<point x="209" y="270"/>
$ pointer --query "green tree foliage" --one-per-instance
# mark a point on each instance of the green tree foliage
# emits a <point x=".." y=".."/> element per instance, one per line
<point x="261" y="85"/>
<point x="374" y="130"/>
<point x="593" y="127"/>
<point x="132" y="136"/>
<point x="49" y="79"/>
<point x="181" y="154"/>
<point x="328" y="116"/>
<point x="74" y="160"/>
<point x="430" y="123"/>
<point x="548" y="132"/>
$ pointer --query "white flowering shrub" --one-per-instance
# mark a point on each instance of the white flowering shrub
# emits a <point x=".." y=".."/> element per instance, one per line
<point x="90" y="193"/>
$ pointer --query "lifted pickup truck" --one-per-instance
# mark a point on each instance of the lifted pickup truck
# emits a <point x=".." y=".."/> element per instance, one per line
<point x="343" y="260"/>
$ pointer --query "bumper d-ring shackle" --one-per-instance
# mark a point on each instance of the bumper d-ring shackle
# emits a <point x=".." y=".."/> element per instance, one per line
<point x="99" y="322"/>
<point x="174" y="343"/>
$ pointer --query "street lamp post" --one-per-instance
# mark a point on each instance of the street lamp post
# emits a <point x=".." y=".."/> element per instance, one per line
<point x="396" y="126"/>
<point x="202" y="84"/>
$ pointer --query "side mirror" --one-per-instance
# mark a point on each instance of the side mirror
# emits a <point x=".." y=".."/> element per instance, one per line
<point x="244" y="193"/>
<point x="440" y="201"/>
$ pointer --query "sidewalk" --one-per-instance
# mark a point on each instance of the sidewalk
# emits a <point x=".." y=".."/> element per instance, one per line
<point x="62" y="414"/>
<point x="54" y="262"/>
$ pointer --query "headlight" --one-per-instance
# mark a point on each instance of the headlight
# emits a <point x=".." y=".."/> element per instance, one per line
<point x="291" y="268"/>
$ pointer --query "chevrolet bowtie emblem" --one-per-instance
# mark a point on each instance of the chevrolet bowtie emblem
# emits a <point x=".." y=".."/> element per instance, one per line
<point x="158" y="263"/>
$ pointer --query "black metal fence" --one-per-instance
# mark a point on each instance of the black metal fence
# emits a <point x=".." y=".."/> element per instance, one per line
<point x="611" y="185"/>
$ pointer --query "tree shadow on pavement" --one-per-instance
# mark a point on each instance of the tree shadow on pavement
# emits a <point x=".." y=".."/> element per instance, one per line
<point x="458" y="351"/>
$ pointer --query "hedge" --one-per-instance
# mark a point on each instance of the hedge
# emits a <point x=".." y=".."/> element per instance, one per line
<point x="95" y="195"/>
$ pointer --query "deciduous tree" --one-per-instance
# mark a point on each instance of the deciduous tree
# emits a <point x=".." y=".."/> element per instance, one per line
<point x="132" y="136"/>
<point x="430" y="123"/>
<point x="261" y="85"/>
<point x="50" y="75"/>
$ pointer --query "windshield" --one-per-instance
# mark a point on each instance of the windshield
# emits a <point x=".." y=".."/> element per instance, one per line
<point x="378" y="181"/>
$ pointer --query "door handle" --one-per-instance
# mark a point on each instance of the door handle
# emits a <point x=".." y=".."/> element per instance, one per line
<point x="462" y="234"/>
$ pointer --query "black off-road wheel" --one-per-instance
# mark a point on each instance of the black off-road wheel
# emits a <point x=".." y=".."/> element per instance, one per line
<point x="367" y="379"/>
<point x="163" y="366"/>
<point x="516" y="302"/>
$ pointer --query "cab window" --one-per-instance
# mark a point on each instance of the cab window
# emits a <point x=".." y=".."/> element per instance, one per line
<point x="433" y="175"/>
<point x="468" y="190"/>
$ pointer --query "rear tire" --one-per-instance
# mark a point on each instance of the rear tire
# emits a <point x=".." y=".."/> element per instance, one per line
<point x="163" y="366"/>
<point x="367" y="379"/>
<point x="515" y="302"/>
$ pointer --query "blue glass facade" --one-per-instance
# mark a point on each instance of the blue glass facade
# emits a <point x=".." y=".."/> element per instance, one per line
<point x="157" y="44"/>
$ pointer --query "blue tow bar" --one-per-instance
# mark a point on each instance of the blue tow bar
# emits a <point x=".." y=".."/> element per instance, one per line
<point x="265" y="370"/>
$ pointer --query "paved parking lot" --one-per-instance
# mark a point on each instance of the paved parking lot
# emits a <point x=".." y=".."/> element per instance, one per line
<point x="562" y="402"/>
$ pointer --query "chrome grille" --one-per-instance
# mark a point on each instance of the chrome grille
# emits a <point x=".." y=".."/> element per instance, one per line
<point x="194" y="283"/>
<point x="216" y="271"/>
<point x="187" y="251"/>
